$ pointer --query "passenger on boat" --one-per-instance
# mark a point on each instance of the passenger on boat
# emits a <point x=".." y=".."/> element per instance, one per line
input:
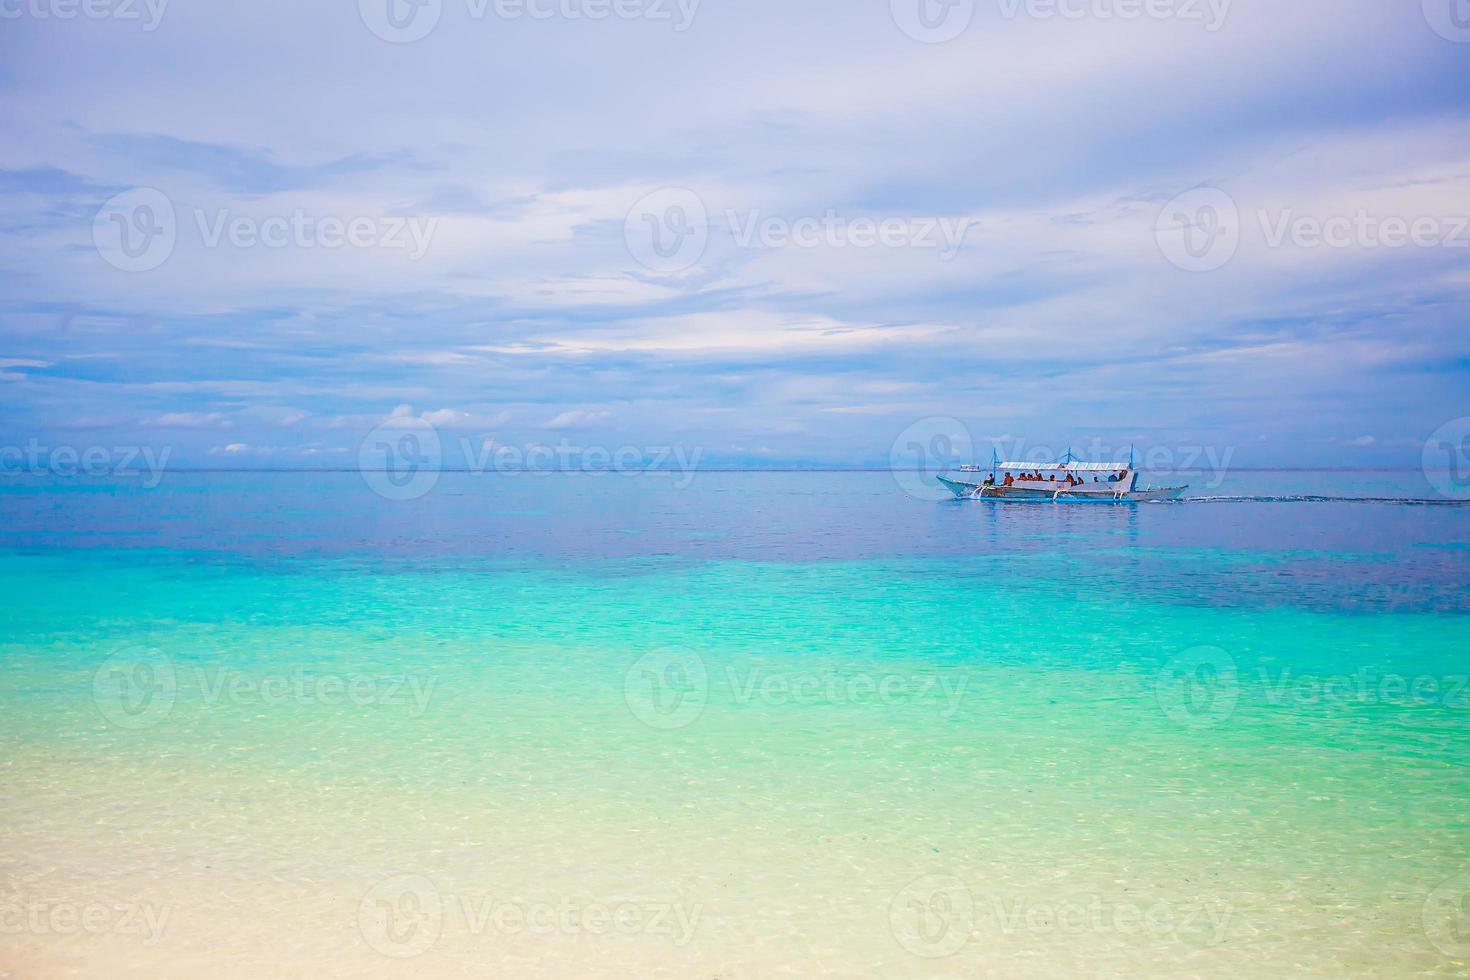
<point x="1009" y="480"/>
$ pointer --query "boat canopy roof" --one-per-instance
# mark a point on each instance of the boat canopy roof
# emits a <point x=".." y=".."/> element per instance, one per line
<point x="1069" y="467"/>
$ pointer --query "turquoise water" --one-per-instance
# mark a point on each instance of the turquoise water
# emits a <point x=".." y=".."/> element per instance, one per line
<point x="764" y="723"/>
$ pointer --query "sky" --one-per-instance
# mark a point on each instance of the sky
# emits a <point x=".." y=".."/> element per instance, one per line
<point x="772" y="232"/>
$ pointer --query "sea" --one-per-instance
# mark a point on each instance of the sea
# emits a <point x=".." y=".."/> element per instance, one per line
<point x="732" y="724"/>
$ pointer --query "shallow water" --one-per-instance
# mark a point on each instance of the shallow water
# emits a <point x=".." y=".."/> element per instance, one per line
<point x="275" y="724"/>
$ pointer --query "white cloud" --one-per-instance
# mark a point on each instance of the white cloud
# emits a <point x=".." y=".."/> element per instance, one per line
<point x="449" y="418"/>
<point x="576" y="417"/>
<point x="188" y="420"/>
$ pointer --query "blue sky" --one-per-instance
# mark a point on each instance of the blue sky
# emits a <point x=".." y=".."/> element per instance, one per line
<point x="880" y="218"/>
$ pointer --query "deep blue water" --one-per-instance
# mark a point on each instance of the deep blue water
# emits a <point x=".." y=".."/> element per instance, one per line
<point x="1258" y="539"/>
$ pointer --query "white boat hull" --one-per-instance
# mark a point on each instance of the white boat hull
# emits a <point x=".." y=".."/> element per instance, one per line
<point x="1083" y="494"/>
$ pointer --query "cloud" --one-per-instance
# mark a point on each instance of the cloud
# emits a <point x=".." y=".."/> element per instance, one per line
<point x="1061" y="138"/>
<point x="188" y="420"/>
<point x="575" y="418"/>
<point x="448" y="418"/>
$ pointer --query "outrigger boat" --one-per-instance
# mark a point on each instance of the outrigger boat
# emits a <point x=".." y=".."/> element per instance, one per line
<point x="1070" y="481"/>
